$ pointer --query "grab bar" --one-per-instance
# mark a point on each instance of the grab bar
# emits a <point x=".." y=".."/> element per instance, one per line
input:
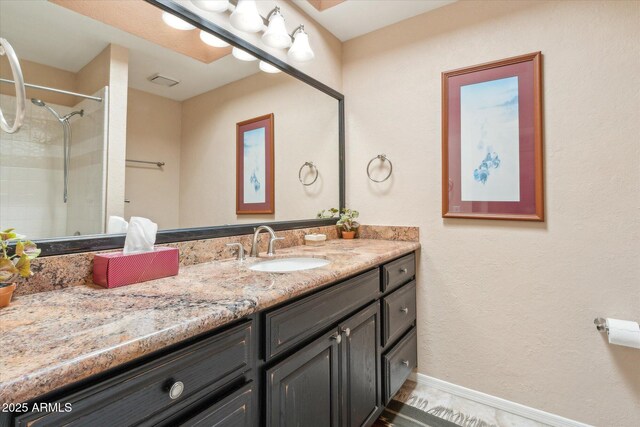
<point x="21" y="96"/>
<point x="158" y="164"/>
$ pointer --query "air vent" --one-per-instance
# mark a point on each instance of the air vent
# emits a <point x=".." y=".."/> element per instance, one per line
<point x="163" y="80"/>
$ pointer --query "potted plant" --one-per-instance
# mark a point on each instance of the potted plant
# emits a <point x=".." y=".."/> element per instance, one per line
<point x="18" y="264"/>
<point x="348" y="223"/>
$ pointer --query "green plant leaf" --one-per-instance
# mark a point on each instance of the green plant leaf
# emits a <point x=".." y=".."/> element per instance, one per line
<point x="30" y="249"/>
<point x="7" y="270"/>
<point x="8" y="234"/>
<point x="24" y="266"/>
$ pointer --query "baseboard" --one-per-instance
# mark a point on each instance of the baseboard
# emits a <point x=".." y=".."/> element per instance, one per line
<point x="496" y="402"/>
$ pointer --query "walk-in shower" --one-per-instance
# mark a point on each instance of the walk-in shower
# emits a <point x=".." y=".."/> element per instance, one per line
<point x="66" y="126"/>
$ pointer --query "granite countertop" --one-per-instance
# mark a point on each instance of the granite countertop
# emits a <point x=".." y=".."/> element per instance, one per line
<point x="52" y="339"/>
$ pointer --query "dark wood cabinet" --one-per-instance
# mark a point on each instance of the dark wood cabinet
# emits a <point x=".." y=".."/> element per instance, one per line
<point x="236" y="410"/>
<point x="331" y="358"/>
<point x="360" y="376"/>
<point x="303" y="389"/>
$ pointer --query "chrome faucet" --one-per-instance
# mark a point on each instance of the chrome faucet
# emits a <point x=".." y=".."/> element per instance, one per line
<point x="272" y="239"/>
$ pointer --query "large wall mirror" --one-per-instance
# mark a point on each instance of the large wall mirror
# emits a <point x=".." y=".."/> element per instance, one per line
<point x="146" y="120"/>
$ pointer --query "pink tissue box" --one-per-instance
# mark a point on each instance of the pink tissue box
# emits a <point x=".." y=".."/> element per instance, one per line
<point x="116" y="269"/>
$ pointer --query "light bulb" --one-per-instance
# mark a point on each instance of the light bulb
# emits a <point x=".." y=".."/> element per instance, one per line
<point x="212" y="40"/>
<point x="212" y="5"/>
<point x="175" y="22"/>
<point x="242" y="55"/>
<point x="268" y="68"/>
<point x="276" y="34"/>
<point x="301" y="50"/>
<point x="245" y="17"/>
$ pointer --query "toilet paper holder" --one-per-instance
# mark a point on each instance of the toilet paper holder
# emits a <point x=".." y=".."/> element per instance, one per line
<point x="601" y="324"/>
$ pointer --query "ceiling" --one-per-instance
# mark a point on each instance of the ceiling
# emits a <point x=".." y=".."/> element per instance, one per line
<point x="353" y="18"/>
<point x="49" y="34"/>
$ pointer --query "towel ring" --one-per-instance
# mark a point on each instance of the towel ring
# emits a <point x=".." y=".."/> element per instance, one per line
<point x="383" y="158"/>
<point x="311" y="166"/>
<point x="21" y="96"/>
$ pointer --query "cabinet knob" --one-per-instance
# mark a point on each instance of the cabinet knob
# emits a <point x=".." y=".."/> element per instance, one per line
<point x="404" y="270"/>
<point x="336" y="337"/>
<point x="176" y="390"/>
<point x="346" y="331"/>
<point x="405" y="363"/>
<point x="405" y="310"/>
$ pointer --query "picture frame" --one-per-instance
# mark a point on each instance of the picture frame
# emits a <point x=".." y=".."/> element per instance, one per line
<point x="255" y="189"/>
<point x="492" y="142"/>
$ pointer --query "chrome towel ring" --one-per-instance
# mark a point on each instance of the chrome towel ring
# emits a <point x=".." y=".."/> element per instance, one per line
<point x="382" y="158"/>
<point x="311" y="167"/>
<point x="21" y="96"/>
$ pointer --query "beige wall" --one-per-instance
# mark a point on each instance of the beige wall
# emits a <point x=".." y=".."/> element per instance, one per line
<point x="306" y="129"/>
<point x="111" y="68"/>
<point x="43" y="75"/>
<point x="507" y="307"/>
<point x="153" y="133"/>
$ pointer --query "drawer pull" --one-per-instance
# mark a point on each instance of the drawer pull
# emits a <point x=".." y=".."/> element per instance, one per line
<point x="404" y="270"/>
<point x="405" y="310"/>
<point x="346" y="331"/>
<point x="405" y="363"/>
<point x="176" y="390"/>
<point x="336" y="337"/>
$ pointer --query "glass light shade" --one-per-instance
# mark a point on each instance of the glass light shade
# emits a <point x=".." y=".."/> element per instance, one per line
<point x="268" y="68"/>
<point x="246" y="17"/>
<point x="212" y="5"/>
<point x="301" y="50"/>
<point x="212" y="40"/>
<point x="175" y="22"/>
<point x="276" y="34"/>
<point x="242" y="55"/>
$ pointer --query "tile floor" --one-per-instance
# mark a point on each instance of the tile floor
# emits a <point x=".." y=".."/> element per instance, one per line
<point x="459" y="410"/>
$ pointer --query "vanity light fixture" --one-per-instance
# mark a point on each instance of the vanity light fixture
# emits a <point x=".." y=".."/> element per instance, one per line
<point x="212" y="40"/>
<point x="246" y="17"/>
<point x="300" y="50"/>
<point x="242" y="55"/>
<point x="268" y="68"/>
<point x="175" y="22"/>
<point x="212" y="5"/>
<point x="276" y="34"/>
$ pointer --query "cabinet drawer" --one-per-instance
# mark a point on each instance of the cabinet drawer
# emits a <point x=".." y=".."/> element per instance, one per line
<point x="235" y="410"/>
<point x="293" y="323"/>
<point x="143" y="392"/>
<point x="398" y="363"/>
<point x="399" y="312"/>
<point x="398" y="272"/>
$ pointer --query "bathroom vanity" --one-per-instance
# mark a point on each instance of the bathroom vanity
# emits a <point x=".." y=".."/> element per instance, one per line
<point x="329" y="346"/>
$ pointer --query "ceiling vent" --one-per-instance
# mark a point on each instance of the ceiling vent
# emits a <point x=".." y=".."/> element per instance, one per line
<point x="161" y="80"/>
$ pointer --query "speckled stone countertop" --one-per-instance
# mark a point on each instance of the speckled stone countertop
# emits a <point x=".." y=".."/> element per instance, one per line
<point x="51" y="339"/>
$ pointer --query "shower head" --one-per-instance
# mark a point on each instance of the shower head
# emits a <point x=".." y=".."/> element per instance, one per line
<point x="65" y="118"/>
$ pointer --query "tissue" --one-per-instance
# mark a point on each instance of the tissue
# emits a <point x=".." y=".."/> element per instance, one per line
<point x="141" y="235"/>
<point x="624" y="332"/>
<point x="117" y="225"/>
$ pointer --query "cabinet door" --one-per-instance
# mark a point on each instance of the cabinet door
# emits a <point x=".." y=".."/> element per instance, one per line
<point x="233" y="411"/>
<point x="361" y="372"/>
<point x="303" y="389"/>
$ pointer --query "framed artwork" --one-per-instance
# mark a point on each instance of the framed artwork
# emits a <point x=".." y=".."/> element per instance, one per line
<point x="492" y="140"/>
<point x="255" y="166"/>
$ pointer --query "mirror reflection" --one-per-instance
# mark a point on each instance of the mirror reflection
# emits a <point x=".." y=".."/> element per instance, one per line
<point x="148" y="120"/>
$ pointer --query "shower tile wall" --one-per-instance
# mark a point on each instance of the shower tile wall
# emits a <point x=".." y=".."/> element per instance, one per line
<point x="32" y="176"/>
<point x="31" y="173"/>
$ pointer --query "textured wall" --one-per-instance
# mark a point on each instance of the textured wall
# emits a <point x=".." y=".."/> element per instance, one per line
<point x="154" y="126"/>
<point x="507" y="307"/>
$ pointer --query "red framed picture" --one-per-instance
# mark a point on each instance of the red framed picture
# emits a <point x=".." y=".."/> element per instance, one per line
<point x="492" y="140"/>
<point x="255" y="166"/>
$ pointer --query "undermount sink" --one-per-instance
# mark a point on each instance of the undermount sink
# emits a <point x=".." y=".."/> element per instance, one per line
<point x="286" y="265"/>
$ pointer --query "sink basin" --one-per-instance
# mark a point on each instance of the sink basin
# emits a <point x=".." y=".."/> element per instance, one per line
<point x="286" y="265"/>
